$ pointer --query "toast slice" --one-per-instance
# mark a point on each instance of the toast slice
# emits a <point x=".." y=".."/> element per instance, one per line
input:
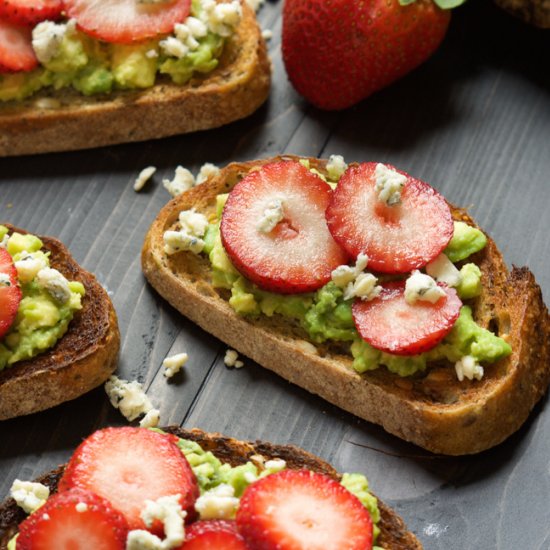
<point x="435" y="410"/>
<point x="81" y="360"/>
<point x="393" y="536"/>
<point x="234" y="90"/>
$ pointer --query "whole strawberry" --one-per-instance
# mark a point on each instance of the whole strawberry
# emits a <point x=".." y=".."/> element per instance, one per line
<point x="337" y="52"/>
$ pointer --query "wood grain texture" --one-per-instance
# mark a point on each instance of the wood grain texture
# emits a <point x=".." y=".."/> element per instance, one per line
<point x="474" y="121"/>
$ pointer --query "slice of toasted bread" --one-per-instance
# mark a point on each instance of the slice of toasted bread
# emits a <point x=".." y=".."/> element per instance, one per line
<point x="393" y="532"/>
<point x="234" y="90"/>
<point x="81" y="360"/>
<point x="434" y="410"/>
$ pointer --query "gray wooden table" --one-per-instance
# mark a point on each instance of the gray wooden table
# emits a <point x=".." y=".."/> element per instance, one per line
<point x="474" y="122"/>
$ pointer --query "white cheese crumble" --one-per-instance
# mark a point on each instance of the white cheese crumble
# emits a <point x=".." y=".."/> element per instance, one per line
<point x="29" y="265"/>
<point x="207" y="171"/>
<point x="231" y="359"/>
<point x="468" y="368"/>
<point x="173" y="364"/>
<point x="29" y="495"/>
<point x="144" y="176"/>
<point x="267" y="34"/>
<point x="54" y="283"/>
<point x="151" y="419"/>
<point x="336" y="166"/>
<point x="444" y="271"/>
<point x="275" y="465"/>
<point x="5" y="280"/>
<point x="168" y="510"/>
<point x="355" y="282"/>
<point x="81" y="507"/>
<point x="218" y="503"/>
<point x="271" y="216"/>
<point x="173" y="47"/>
<point x="389" y="184"/>
<point x="193" y="227"/>
<point x="151" y="54"/>
<point x="47" y="37"/>
<point x="139" y="539"/>
<point x="306" y="347"/>
<point x="221" y="19"/>
<point x="422" y="287"/>
<point x="183" y="181"/>
<point x="128" y="397"/>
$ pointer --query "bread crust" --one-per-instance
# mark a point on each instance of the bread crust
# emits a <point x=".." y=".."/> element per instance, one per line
<point x="234" y="90"/>
<point x="393" y="536"/>
<point x="81" y="360"/>
<point x="433" y="410"/>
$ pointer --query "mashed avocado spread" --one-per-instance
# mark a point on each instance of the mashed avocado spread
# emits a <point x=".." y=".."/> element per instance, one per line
<point x="94" y="67"/>
<point x="44" y="313"/>
<point x="326" y="316"/>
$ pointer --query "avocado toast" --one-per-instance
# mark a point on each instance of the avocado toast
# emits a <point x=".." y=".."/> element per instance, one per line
<point x="64" y="119"/>
<point x="247" y="456"/>
<point x="432" y="409"/>
<point x="82" y="359"/>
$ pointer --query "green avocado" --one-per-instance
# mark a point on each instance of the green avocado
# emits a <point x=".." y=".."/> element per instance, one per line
<point x="466" y="240"/>
<point x="41" y="319"/>
<point x="91" y="66"/>
<point x="325" y="315"/>
<point x="210" y="473"/>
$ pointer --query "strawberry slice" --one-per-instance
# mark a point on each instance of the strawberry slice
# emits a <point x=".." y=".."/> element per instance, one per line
<point x="16" y="53"/>
<point x="75" y="519"/>
<point x="30" y="12"/>
<point x="390" y="324"/>
<point x="397" y="238"/>
<point x="10" y="293"/>
<point x="218" y="534"/>
<point x="298" y="254"/>
<point x="126" y="21"/>
<point x="128" y="466"/>
<point x="299" y="510"/>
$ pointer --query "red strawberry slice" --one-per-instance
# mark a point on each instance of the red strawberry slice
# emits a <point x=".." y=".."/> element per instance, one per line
<point x="75" y="519"/>
<point x="299" y="254"/>
<point x="30" y="12"/>
<point x="299" y="510"/>
<point x="389" y="323"/>
<point x="10" y="293"/>
<point x="128" y="466"/>
<point x="126" y="21"/>
<point x="218" y="534"/>
<point x="398" y="238"/>
<point x="16" y="53"/>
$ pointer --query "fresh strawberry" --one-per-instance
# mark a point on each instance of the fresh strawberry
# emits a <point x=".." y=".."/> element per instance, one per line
<point x="218" y="534"/>
<point x="299" y="510"/>
<point x="298" y="254"/>
<point x="76" y="519"/>
<point x="16" y="53"/>
<point x="128" y="466"/>
<point x="390" y="324"/>
<point x="30" y="12"/>
<point x="126" y="21"/>
<point x="337" y="52"/>
<point x="10" y="293"/>
<point x="397" y="238"/>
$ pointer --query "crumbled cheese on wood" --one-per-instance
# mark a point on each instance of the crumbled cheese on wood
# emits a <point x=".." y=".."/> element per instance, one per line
<point x="144" y="176"/>
<point x="173" y="364"/>
<point x="231" y="359"/>
<point x="128" y="397"/>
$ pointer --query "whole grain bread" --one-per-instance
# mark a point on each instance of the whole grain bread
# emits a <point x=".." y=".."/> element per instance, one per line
<point x="234" y="90"/>
<point x="393" y="532"/>
<point x="81" y="360"/>
<point x="433" y="410"/>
